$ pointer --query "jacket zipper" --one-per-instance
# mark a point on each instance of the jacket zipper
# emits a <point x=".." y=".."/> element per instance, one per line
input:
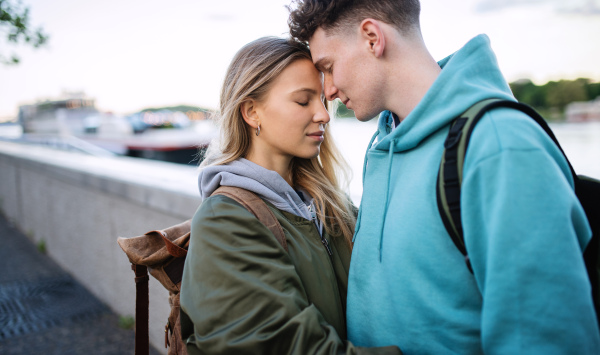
<point x="326" y="244"/>
<point x="313" y="215"/>
<point x="330" y="253"/>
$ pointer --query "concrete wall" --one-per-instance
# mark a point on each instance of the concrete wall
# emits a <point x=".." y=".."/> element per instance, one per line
<point x="78" y="205"/>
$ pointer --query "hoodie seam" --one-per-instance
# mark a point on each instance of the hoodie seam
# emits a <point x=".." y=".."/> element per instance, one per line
<point x="492" y="117"/>
<point x="495" y="128"/>
<point x="500" y="152"/>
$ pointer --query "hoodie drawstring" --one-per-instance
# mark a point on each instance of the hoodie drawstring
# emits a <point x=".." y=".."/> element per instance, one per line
<point x="387" y="197"/>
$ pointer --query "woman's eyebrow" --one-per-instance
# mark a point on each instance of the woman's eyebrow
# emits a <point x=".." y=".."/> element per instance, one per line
<point x="309" y="90"/>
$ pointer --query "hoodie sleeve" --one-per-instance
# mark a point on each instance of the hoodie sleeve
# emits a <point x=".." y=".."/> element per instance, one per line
<point x="240" y="293"/>
<point x="525" y="231"/>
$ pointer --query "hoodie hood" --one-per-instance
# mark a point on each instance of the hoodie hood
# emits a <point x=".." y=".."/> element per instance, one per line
<point x="267" y="184"/>
<point x="467" y="77"/>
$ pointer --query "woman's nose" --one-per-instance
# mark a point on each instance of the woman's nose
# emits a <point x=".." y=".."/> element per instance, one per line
<point x="322" y="116"/>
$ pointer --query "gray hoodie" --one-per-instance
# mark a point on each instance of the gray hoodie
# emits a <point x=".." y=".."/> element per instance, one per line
<point x="267" y="184"/>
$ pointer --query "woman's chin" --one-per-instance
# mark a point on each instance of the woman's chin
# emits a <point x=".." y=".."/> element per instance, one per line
<point x="307" y="155"/>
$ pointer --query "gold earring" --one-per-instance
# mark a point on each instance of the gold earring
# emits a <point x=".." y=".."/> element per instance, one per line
<point x="258" y="130"/>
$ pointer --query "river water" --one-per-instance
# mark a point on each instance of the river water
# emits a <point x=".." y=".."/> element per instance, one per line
<point x="580" y="141"/>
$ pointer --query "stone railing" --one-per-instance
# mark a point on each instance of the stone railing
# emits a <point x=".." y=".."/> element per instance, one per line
<point x="78" y="205"/>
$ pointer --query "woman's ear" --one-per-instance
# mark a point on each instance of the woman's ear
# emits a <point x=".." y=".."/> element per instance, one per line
<point x="372" y="35"/>
<point x="248" y="111"/>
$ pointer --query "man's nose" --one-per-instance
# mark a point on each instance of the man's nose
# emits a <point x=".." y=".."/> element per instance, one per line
<point x="329" y="89"/>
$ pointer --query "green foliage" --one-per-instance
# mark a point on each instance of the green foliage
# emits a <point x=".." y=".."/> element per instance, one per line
<point x="593" y="90"/>
<point x="14" y="24"/>
<point x="526" y="91"/>
<point x="41" y="246"/>
<point x="126" y="322"/>
<point x="552" y="98"/>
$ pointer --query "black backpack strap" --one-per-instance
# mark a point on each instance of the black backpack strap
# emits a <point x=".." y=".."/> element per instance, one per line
<point x="450" y="174"/>
<point x="588" y="192"/>
<point x="451" y="167"/>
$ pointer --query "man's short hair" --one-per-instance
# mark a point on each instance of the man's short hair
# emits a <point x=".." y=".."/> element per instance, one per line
<point x="335" y="16"/>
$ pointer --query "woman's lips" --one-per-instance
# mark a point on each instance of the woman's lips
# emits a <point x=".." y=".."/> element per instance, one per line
<point x="317" y="136"/>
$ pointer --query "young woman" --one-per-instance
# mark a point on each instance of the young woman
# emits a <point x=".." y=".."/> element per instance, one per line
<point x="242" y="292"/>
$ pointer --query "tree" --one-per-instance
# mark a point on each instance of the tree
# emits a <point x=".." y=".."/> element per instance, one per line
<point x="552" y="98"/>
<point x="592" y="89"/>
<point x="526" y="91"/>
<point x="563" y="92"/>
<point x="15" y="28"/>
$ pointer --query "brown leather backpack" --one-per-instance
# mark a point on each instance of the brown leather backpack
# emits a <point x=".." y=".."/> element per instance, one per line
<point x="163" y="253"/>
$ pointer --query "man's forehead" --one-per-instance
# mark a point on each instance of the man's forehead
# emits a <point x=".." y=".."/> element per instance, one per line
<point x="319" y="36"/>
<point x="319" y="45"/>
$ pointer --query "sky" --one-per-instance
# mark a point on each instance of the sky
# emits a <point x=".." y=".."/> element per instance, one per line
<point x="133" y="54"/>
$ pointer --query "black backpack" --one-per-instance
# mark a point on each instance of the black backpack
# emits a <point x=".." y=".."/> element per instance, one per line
<point x="450" y="179"/>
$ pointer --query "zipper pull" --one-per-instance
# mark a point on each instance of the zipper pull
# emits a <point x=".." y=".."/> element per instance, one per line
<point x="326" y="244"/>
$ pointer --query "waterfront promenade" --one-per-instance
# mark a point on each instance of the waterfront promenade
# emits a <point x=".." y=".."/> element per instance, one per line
<point x="77" y="205"/>
<point x="44" y="310"/>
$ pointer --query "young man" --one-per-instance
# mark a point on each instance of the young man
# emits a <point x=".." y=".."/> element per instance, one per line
<point x="524" y="228"/>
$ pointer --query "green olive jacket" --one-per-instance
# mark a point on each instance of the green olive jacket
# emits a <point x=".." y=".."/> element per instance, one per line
<point x="242" y="293"/>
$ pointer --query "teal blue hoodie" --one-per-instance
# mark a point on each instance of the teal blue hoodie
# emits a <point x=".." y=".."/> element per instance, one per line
<point x="524" y="230"/>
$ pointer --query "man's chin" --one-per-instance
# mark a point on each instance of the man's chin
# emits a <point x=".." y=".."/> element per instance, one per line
<point x="364" y="117"/>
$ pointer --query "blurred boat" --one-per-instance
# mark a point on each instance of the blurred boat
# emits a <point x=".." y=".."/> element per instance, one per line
<point x="63" y="116"/>
<point x="161" y="135"/>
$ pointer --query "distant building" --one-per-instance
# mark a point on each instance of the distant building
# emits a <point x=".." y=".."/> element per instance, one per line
<point x="583" y="111"/>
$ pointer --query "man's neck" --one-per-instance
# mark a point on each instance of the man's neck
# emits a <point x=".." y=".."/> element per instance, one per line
<point x="411" y="76"/>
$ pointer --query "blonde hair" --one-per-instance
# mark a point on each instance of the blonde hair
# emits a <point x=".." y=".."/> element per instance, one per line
<point x="250" y="76"/>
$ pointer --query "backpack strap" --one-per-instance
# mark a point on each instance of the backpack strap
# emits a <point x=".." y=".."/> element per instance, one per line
<point x="588" y="192"/>
<point x="258" y="207"/>
<point x="142" y="339"/>
<point x="451" y="167"/>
